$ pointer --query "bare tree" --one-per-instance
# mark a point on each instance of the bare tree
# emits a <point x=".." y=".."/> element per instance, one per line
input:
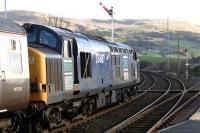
<point x="58" y="21"/>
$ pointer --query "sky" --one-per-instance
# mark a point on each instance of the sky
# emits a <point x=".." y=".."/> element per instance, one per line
<point x="188" y="10"/>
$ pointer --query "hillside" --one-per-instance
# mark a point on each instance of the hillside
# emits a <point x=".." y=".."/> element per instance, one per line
<point x="145" y="35"/>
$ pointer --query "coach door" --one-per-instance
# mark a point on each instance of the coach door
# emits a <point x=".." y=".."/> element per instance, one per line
<point x="11" y="74"/>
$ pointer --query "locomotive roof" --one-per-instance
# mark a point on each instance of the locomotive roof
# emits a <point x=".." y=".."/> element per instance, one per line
<point x="65" y="33"/>
<point x="120" y="45"/>
<point x="60" y="31"/>
<point x="10" y="26"/>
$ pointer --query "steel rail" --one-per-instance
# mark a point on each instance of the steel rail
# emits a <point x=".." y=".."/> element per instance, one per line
<point x="141" y="115"/>
<point x="183" y="93"/>
<point x="128" y="121"/>
<point x="163" y="121"/>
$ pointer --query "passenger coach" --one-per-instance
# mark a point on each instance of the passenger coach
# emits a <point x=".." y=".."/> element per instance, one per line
<point x="14" y="72"/>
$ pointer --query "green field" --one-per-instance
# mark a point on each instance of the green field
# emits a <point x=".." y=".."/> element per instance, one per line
<point x="158" y="58"/>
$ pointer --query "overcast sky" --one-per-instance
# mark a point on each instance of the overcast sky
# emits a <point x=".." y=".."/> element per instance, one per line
<point x="188" y="10"/>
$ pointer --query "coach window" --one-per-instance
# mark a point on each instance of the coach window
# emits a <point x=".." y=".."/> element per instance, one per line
<point x="14" y="57"/>
<point x="47" y="39"/>
<point x="85" y="60"/>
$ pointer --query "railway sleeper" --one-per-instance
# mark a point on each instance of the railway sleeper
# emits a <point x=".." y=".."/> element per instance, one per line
<point x="133" y="131"/>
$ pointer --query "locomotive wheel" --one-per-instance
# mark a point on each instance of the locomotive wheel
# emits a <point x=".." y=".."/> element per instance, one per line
<point x="2" y="130"/>
<point x="16" y="122"/>
<point x="54" y="116"/>
<point x="38" y="129"/>
<point x="90" y="107"/>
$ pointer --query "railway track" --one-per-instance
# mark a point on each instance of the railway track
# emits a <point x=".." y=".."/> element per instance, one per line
<point x="175" y="85"/>
<point x="188" y="107"/>
<point x="145" y="120"/>
<point x="148" y="81"/>
<point x="107" y="119"/>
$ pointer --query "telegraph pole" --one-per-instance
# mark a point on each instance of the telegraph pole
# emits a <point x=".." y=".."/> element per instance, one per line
<point x="168" y="61"/>
<point x="178" y="54"/>
<point x="5" y="10"/>
<point x="187" y="65"/>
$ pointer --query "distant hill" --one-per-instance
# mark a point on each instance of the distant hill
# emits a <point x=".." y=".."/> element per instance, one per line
<point x="144" y="34"/>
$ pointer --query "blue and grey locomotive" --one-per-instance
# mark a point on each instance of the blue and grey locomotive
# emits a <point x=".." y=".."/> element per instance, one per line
<point x="73" y="74"/>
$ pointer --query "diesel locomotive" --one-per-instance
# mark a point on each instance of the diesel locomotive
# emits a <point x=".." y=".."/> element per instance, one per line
<point x="59" y="75"/>
<point x="73" y="74"/>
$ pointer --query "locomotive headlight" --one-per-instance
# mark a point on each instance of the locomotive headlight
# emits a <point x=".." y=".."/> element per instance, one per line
<point x="3" y="110"/>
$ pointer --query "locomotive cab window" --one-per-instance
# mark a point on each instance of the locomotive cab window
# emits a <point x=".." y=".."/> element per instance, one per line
<point x="47" y="39"/>
<point x="134" y="56"/>
<point x="85" y="60"/>
<point x="32" y="36"/>
<point x="67" y="49"/>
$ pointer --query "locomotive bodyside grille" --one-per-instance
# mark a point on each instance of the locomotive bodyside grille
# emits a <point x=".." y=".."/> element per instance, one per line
<point x="54" y="73"/>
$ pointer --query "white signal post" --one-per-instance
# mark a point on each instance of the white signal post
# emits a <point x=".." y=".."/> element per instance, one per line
<point x="112" y="25"/>
<point x="110" y="13"/>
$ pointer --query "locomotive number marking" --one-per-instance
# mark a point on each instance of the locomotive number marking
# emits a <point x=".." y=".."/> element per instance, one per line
<point x="31" y="60"/>
<point x="100" y="58"/>
<point x="17" y="89"/>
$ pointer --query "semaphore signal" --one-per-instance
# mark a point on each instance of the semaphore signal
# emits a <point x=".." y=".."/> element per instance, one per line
<point x="110" y="13"/>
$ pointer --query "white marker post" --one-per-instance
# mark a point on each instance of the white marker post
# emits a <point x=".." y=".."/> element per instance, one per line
<point x="5" y="11"/>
